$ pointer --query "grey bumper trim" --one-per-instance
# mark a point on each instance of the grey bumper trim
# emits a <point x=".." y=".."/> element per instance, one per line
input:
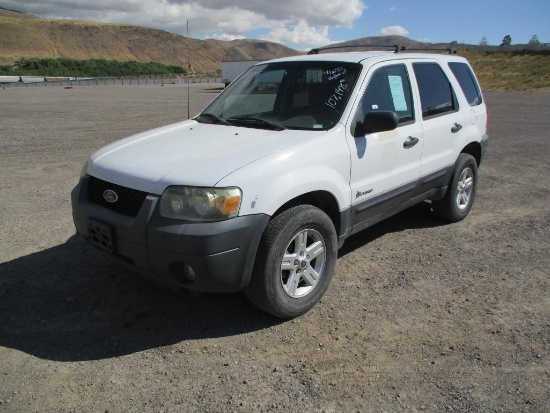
<point x="221" y="254"/>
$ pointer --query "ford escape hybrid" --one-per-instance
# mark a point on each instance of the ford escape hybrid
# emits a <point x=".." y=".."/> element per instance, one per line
<point x="259" y="190"/>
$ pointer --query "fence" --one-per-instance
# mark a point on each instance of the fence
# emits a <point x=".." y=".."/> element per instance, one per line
<point x="119" y="81"/>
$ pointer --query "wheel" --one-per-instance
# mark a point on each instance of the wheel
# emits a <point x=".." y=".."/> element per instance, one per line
<point x="295" y="262"/>
<point x="460" y="195"/>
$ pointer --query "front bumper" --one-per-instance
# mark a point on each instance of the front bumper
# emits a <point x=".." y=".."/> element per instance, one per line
<point x="202" y="256"/>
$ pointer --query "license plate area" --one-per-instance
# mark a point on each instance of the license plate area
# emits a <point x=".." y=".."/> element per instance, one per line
<point x="101" y="235"/>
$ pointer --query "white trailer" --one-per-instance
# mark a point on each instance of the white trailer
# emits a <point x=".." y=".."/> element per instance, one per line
<point x="232" y="70"/>
<point x="33" y="79"/>
<point x="10" y="79"/>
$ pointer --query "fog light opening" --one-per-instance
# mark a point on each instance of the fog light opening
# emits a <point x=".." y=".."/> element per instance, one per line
<point x="182" y="273"/>
<point x="188" y="273"/>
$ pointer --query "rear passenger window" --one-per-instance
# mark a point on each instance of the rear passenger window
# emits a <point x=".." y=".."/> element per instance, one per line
<point x="467" y="82"/>
<point x="389" y="89"/>
<point x="436" y="94"/>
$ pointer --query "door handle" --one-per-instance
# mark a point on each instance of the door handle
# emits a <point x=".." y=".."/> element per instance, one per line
<point x="456" y="127"/>
<point x="410" y="142"/>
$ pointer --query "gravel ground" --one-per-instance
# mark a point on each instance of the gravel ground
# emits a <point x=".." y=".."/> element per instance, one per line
<point x="420" y="316"/>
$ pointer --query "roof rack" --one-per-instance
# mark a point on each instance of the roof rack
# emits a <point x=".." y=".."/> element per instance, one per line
<point x="450" y="50"/>
<point x="397" y="48"/>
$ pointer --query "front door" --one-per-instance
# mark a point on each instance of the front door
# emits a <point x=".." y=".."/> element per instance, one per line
<point x="385" y="165"/>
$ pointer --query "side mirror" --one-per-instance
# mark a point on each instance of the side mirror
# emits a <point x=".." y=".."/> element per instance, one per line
<point x="377" y="121"/>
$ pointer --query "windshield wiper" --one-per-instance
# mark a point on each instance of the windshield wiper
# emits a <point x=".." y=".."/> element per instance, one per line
<point x="213" y="117"/>
<point x="253" y="120"/>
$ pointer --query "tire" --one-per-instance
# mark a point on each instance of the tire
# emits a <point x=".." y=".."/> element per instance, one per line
<point x="295" y="262"/>
<point x="460" y="195"/>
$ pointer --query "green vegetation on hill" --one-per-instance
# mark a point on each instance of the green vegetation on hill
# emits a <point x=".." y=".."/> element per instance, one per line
<point x="87" y="68"/>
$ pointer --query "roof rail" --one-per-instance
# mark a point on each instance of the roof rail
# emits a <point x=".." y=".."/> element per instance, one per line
<point x="450" y="50"/>
<point x="397" y="48"/>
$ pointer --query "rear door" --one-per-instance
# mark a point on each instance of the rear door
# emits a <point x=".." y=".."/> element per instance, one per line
<point x="442" y="120"/>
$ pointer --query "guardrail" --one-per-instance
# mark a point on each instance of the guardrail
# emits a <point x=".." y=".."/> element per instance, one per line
<point x="118" y="81"/>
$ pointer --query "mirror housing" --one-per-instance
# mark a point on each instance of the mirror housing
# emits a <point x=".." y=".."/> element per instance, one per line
<point x="377" y="121"/>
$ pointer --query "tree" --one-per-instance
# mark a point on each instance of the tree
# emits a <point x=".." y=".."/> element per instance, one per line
<point x="483" y="41"/>
<point x="534" y="40"/>
<point x="507" y="40"/>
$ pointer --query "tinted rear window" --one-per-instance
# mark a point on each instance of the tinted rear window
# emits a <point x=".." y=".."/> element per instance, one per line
<point x="467" y="82"/>
<point x="436" y="94"/>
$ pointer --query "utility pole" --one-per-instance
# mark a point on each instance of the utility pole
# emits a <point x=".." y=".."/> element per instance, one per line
<point x="188" y="78"/>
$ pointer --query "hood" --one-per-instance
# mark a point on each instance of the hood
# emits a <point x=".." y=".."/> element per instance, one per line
<point x="187" y="153"/>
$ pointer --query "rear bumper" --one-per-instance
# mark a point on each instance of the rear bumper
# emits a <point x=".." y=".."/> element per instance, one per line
<point x="211" y="257"/>
<point x="484" y="144"/>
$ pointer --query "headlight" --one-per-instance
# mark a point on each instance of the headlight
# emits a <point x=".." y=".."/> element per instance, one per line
<point x="200" y="204"/>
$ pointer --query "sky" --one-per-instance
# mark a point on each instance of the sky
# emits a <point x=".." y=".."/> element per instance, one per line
<point x="304" y="24"/>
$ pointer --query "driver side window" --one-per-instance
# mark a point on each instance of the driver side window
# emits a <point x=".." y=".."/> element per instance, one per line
<point x="388" y="90"/>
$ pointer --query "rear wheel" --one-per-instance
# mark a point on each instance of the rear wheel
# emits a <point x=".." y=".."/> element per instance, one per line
<point x="295" y="262"/>
<point x="460" y="195"/>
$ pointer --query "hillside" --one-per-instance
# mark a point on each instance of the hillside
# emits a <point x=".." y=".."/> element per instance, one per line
<point x="23" y="35"/>
<point x="496" y="68"/>
<point x="15" y="14"/>
<point x="510" y="71"/>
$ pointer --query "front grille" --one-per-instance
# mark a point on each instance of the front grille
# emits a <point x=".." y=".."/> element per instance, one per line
<point x="129" y="200"/>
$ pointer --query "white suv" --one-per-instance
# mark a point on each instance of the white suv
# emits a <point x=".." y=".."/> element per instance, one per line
<point x="260" y="189"/>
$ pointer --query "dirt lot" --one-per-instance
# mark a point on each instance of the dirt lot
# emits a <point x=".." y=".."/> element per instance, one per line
<point x="420" y="316"/>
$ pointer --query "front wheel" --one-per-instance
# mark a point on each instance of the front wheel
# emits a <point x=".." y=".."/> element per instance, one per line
<point x="295" y="262"/>
<point x="460" y="195"/>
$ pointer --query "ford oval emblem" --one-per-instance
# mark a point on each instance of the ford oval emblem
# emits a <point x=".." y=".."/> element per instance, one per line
<point x="110" y="196"/>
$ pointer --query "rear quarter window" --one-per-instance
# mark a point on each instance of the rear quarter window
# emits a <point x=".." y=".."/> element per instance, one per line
<point x="467" y="82"/>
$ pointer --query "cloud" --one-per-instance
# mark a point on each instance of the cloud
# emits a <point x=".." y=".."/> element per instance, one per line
<point x="315" y="12"/>
<point x="304" y="23"/>
<point x="300" y="34"/>
<point x="226" y="37"/>
<point x="393" y="31"/>
<point x="392" y="8"/>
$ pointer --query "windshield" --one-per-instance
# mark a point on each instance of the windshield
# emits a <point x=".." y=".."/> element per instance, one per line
<point x="286" y="95"/>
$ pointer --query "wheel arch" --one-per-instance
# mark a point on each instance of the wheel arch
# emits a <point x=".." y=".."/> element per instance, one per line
<point x="474" y="149"/>
<point x="323" y="200"/>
